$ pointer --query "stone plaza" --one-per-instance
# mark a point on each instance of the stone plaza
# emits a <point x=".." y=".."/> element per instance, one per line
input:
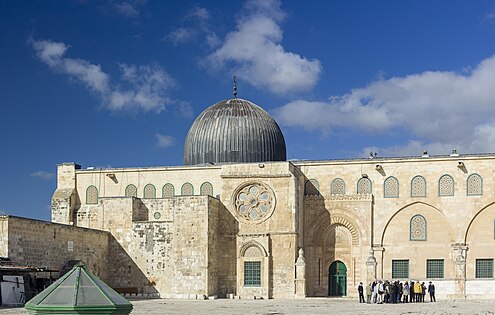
<point x="308" y="306"/>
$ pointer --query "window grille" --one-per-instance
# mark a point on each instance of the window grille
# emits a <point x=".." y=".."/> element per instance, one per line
<point x="168" y="190"/>
<point x="418" y="187"/>
<point x="252" y="273"/>
<point x="434" y="268"/>
<point x="91" y="195"/>
<point x="364" y="186"/>
<point x="484" y="268"/>
<point x="400" y="269"/>
<point x="187" y="190"/>
<point x="418" y="228"/>
<point x="131" y="191"/>
<point x="446" y="186"/>
<point x="391" y="188"/>
<point x="149" y="191"/>
<point x="337" y="187"/>
<point x="474" y="185"/>
<point x="206" y="189"/>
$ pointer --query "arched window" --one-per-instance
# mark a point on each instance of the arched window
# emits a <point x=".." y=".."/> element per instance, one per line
<point x="418" y="186"/>
<point x="91" y="195"/>
<point x="168" y="190"/>
<point x="206" y="189"/>
<point x="364" y="186"/>
<point x="418" y="228"/>
<point x="149" y="191"/>
<point x="311" y="188"/>
<point x="391" y="187"/>
<point x="131" y="191"/>
<point x="187" y="190"/>
<point x="474" y="185"/>
<point x="337" y="187"/>
<point x="446" y="186"/>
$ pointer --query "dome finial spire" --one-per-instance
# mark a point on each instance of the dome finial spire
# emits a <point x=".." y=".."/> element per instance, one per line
<point x="235" y="86"/>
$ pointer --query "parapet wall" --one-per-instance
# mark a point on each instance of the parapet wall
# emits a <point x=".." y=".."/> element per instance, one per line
<point x="44" y="244"/>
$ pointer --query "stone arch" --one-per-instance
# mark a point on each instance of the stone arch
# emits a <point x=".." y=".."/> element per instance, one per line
<point x="407" y="206"/>
<point x="248" y="245"/>
<point x="474" y="218"/>
<point x="325" y="225"/>
<point x="345" y="222"/>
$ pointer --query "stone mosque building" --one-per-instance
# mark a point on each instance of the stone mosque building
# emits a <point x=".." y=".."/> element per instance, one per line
<point x="239" y="220"/>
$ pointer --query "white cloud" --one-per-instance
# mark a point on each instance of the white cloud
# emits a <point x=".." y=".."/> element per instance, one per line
<point x="128" y="8"/>
<point x="164" y="141"/>
<point x="196" y="23"/>
<point x="180" y="35"/>
<point x="199" y="13"/>
<point x="184" y="109"/>
<point x="255" y="52"/>
<point x="43" y="175"/>
<point x="139" y="88"/>
<point x="441" y="110"/>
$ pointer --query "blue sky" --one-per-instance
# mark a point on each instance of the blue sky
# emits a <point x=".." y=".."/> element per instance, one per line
<point x="118" y="83"/>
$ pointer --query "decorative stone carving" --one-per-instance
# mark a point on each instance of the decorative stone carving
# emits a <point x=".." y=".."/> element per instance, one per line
<point x="254" y="202"/>
<point x="359" y="197"/>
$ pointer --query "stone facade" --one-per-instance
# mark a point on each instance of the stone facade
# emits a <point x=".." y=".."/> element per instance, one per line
<point x="433" y="215"/>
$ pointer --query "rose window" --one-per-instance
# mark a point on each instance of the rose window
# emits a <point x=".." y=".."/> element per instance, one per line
<point x="254" y="202"/>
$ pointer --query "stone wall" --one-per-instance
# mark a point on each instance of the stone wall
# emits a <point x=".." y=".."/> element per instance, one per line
<point x="44" y="244"/>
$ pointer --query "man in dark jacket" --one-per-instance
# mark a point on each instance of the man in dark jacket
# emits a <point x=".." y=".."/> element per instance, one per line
<point x="431" y="290"/>
<point x="411" y="292"/>
<point x="361" y="294"/>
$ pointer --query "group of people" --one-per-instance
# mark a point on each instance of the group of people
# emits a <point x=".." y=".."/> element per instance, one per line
<point x="380" y="292"/>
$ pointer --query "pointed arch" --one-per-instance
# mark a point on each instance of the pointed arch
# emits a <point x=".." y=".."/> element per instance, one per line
<point x="474" y="218"/>
<point x="407" y="206"/>
<point x="249" y="244"/>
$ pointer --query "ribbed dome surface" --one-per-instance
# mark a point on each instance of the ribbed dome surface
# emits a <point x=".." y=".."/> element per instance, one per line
<point x="234" y="130"/>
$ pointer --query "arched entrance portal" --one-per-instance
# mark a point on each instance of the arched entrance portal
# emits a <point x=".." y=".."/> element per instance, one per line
<point x="337" y="279"/>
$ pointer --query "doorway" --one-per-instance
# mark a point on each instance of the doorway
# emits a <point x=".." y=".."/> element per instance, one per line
<point x="337" y="279"/>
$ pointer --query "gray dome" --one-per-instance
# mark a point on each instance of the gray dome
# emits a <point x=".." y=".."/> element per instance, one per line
<point x="234" y="130"/>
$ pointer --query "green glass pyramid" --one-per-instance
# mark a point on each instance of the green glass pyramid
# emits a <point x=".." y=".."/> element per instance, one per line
<point x="78" y="292"/>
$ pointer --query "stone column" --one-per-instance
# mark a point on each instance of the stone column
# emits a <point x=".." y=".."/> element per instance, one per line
<point x="460" y="250"/>
<point x="300" y="284"/>
<point x="371" y="267"/>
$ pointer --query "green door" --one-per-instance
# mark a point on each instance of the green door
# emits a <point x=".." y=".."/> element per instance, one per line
<point x="337" y="279"/>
